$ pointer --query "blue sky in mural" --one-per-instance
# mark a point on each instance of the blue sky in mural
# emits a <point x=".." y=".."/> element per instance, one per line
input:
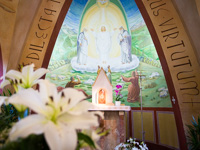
<point x="73" y="16"/>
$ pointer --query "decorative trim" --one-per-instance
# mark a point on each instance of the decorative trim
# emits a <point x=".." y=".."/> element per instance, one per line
<point x="1" y="67"/>
<point x="55" y="32"/>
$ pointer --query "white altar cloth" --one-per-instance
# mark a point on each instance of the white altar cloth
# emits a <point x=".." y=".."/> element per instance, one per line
<point x="110" y="108"/>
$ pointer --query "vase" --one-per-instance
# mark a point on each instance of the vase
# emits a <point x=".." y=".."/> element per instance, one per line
<point x="117" y="103"/>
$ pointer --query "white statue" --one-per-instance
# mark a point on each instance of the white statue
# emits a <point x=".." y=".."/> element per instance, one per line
<point x="82" y="48"/>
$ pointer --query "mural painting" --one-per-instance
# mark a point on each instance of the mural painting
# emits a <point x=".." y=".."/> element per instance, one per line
<point x="113" y="35"/>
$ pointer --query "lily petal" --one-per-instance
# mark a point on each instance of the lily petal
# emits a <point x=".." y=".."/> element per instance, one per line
<point x="70" y="137"/>
<point x="83" y="121"/>
<point x="80" y="108"/>
<point x="27" y="72"/>
<point x="2" y="99"/>
<point x="4" y="83"/>
<point x="30" y="98"/>
<point x="60" y="137"/>
<point x="72" y="97"/>
<point x="27" y="69"/>
<point x="38" y="74"/>
<point x="13" y="74"/>
<point x="48" y="89"/>
<point x="33" y="124"/>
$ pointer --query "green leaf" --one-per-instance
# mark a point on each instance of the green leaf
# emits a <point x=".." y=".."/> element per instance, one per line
<point x="106" y="132"/>
<point x="32" y="142"/>
<point x="83" y="138"/>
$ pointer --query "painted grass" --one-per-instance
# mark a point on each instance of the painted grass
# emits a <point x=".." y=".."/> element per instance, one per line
<point x="150" y="96"/>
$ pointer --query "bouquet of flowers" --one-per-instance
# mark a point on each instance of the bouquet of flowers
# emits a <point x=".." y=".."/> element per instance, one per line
<point x="57" y="119"/>
<point x="118" y="93"/>
<point x="131" y="144"/>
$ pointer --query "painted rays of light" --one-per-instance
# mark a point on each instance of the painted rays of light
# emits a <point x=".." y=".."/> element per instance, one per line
<point x="58" y="115"/>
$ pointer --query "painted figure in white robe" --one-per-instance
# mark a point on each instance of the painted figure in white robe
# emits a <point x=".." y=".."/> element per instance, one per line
<point x="103" y="43"/>
<point x="125" y="43"/>
<point x="82" y="48"/>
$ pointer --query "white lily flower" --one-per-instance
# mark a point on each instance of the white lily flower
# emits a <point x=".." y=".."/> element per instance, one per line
<point x="135" y="148"/>
<point x="141" y="147"/>
<point x="58" y="116"/>
<point x="145" y="146"/>
<point x="118" y="146"/>
<point x="27" y="78"/>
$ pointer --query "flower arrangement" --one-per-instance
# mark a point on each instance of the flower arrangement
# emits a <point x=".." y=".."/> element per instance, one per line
<point x="59" y="117"/>
<point x="131" y="144"/>
<point x="118" y="93"/>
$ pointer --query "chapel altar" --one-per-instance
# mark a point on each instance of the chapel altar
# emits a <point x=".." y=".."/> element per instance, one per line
<point x="102" y="91"/>
<point x="114" y="116"/>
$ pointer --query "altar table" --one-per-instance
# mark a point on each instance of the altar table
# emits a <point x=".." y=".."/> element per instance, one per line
<point x="114" y="120"/>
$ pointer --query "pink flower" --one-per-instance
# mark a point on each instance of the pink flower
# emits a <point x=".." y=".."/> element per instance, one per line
<point x="118" y="86"/>
<point x="116" y="92"/>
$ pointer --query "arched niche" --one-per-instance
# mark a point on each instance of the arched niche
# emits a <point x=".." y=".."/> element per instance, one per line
<point x="159" y="49"/>
<point x="167" y="67"/>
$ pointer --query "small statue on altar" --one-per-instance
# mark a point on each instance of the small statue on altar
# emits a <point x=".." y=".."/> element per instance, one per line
<point x="133" y="88"/>
<point x="102" y="97"/>
<point x="109" y="74"/>
<point x="72" y="82"/>
<point x="99" y="69"/>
